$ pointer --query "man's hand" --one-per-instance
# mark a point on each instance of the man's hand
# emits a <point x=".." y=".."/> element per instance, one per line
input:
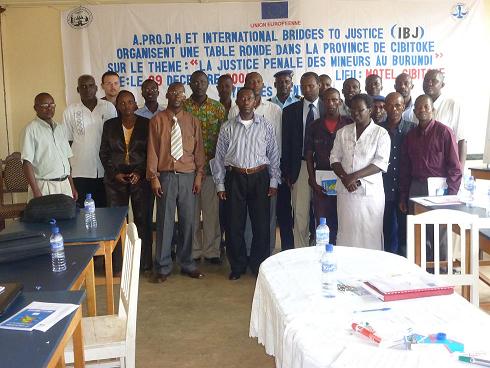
<point x="36" y="193"/>
<point x="272" y="192"/>
<point x="196" y="188"/>
<point x="156" y="187"/>
<point x="133" y="178"/>
<point x="74" y="194"/>
<point x="122" y="178"/>
<point x="349" y="180"/>
<point x="314" y="185"/>
<point x="222" y="196"/>
<point x="403" y="206"/>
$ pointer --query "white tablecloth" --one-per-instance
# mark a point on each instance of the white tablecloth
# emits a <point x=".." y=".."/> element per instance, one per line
<point x="302" y="329"/>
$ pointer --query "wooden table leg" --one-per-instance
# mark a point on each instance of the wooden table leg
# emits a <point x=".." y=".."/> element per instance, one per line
<point x="465" y="289"/>
<point x="108" y="247"/>
<point x="79" y="358"/>
<point x="90" y="289"/>
<point x="122" y="236"/>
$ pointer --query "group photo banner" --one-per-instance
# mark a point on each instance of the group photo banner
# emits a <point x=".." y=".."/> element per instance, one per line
<point x="344" y="39"/>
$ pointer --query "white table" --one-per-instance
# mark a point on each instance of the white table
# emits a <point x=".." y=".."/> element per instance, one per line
<point x="302" y="329"/>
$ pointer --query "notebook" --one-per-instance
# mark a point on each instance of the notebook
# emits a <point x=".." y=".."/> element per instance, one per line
<point x="9" y="292"/>
<point x="407" y="286"/>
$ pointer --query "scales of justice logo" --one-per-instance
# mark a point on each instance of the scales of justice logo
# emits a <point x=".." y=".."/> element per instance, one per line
<point x="79" y="17"/>
<point x="459" y="11"/>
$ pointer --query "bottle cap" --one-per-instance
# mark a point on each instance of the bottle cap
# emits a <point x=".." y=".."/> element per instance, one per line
<point x="323" y="221"/>
<point x="329" y="247"/>
<point x="89" y="196"/>
<point x="56" y="230"/>
<point x="441" y="336"/>
<point x="52" y="221"/>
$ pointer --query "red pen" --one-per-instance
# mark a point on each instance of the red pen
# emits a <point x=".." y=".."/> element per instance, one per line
<point x="366" y="332"/>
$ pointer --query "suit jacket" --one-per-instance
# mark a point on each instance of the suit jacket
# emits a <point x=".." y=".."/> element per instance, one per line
<point x="113" y="148"/>
<point x="293" y="139"/>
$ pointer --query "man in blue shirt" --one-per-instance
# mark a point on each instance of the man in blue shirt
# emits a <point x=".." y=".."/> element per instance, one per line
<point x="283" y="83"/>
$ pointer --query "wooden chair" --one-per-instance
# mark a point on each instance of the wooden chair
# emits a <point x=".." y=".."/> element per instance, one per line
<point x="467" y="226"/>
<point x="111" y="340"/>
<point x="12" y="180"/>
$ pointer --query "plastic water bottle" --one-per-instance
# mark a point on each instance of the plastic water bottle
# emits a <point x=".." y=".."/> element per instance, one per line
<point x="90" y="219"/>
<point x="58" y="260"/>
<point x="322" y="234"/>
<point x="470" y="186"/>
<point x="329" y="272"/>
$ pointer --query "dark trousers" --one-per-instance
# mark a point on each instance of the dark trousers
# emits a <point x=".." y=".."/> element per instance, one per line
<point x="118" y="194"/>
<point x="95" y="186"/>
<point x="394" y="229"/>
<point x="326" y="206"/>
<point x="284" y="214"/>
<point x="247" y="192"/>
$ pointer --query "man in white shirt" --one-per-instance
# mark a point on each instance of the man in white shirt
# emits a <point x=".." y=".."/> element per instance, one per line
<point x="272" y="113"/>
<point x="111" y="86"/>
<point x="83" y="123"/>
<point x="446" y="110"/>
<point x="45" y="153"/>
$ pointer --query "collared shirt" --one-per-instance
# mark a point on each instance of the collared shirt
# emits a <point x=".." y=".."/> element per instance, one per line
<point x="271" y="112"/>
<point x="391" y="179"/>
<point x="246" y="148"/>
<point x="448" y="112"/>
<point x="430" y="152"/>
<point x="306" y="109"/>
<point x="84" y="128"/>
<point x="211" y="114"/>
<point x="146" y="113"/>
<point x="408" y="114"/>
<point x="47" y="149"/>
<point x="319" y="141"/>
<point x="159" y="158"/>
<point x="372" y="147"/>
<point x="290" y="100"/>
<point x="344" y="110"/>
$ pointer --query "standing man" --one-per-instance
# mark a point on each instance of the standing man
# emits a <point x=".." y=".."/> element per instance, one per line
<point x="149" y="91"/>
<point x="446" y="110"/>
<point x="404" y="86"/>
<point x="373" y="85"/>
<point x="225" y="89"/>
<point x="211" y="114"/>
<point x="83" y="122"/>
<point x="246" y="176"/>
<point x="284" y="98"/>
<point x="325" y="83"/>
<point x="350" y="88"/>
<point x="429" y="150"/>
<point x="45" y="153"/>
<point x="175" y="168"/>
<point x="272" y="113"/>
<point x="111" y="86"/>
<point x="283" y="82"/>
<point x="319" y="139"/>
<point x="296" y="118"/>
<point x="394" y="221"/>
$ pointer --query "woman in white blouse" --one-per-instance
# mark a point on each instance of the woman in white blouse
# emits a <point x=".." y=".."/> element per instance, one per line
<point x="360" y="153"/>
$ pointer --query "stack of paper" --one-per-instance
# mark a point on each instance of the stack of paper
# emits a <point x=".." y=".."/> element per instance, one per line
<point x="38" y="316"/>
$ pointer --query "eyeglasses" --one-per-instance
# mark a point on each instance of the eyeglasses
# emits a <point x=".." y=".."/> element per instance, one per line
<point x="46" y="105"/>
<point x="151" y="89"/>
<point x="176" y="93"/>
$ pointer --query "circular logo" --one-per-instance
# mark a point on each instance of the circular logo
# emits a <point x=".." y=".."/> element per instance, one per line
<point x="79" y="17"/>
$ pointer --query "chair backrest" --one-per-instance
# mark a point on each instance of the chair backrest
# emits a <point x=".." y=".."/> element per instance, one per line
<point x="468" y="227"/>
<point x="128" y="297"/>
<point x="12" y="178"/>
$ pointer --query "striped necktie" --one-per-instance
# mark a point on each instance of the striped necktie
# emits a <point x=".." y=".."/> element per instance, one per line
<point x="176" y="140"/>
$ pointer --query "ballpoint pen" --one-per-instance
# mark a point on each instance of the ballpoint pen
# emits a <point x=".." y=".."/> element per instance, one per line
<point x="366" y="332"/>
<point x="373" y="310"/>
<point x="473" y="360"/>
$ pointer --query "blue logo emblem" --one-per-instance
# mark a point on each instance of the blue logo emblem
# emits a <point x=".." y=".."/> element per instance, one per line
<point x="459" y="11"/>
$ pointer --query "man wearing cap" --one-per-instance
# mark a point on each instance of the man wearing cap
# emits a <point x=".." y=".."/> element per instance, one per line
<point x="378" y="113"/>
<point x="283" y="83"/>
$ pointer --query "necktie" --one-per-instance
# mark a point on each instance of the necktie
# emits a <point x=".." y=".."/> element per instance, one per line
<point x="176" y="140"/>
<point x="311" y="115"/>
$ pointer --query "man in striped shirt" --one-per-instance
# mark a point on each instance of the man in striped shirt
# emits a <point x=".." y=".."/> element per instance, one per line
<point x="246" y="173"/>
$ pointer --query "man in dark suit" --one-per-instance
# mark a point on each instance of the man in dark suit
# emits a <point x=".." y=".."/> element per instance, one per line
<point x="295" y="118"/>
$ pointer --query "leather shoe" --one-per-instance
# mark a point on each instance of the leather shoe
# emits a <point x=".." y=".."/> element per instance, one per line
<point x="158" y="278"/>
<point x="213" y="260"/>
<point x="195" y="274"/>
<point x="234" y="276"/>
